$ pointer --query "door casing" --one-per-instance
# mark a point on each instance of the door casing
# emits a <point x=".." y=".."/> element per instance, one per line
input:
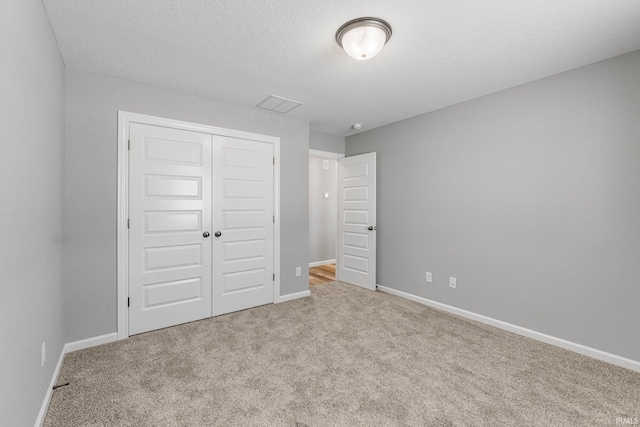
<point x="125" y="118"/>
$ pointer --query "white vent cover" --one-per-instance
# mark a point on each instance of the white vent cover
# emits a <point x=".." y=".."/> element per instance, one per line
<point x="277" y="104"/>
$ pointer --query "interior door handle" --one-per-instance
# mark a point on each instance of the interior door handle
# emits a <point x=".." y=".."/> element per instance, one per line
<point x="205" y="234"/>
<point x="371" y="228"/>
<point x="217" y="234"/>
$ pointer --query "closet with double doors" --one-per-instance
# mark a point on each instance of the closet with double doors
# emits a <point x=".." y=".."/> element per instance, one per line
<point x="200" y="224"/>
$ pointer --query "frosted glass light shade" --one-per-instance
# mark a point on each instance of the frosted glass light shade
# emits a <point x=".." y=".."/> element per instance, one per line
<point x="363" y="42"/>
<point x="363" y="38"/>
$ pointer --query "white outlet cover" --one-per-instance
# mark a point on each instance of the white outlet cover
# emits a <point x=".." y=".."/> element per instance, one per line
<point x="298" y="271"/>
<point x="452" y="282"/>
<point x="44" y="353"/>
<point x="429" y="277"/>
<point x="326" y="195"/>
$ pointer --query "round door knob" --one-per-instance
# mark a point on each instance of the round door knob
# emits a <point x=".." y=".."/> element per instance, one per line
<point x="205" y="234"/>
<point x="217" y="234"/>
<point x="370" y="228"/>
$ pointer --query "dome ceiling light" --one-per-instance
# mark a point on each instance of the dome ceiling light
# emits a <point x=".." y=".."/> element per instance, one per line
<point x="363" y="38"/>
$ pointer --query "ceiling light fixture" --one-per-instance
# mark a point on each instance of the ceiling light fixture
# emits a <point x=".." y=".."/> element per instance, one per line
<point x="363" y="38"/>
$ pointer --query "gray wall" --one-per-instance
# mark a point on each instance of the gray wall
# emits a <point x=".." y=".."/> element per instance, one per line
<point x="323" y="213"/>
<point x="530" y="197"/>
<point x="91" y="175"/>
<point x="31" y="207"/>
<point x="326" y="142"/>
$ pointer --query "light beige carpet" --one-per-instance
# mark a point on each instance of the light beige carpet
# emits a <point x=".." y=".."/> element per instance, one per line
<point x="342" y="357"/>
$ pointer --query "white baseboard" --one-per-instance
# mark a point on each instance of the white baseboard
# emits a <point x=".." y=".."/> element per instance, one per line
<point x="90" y="342"/>
<point x="315" y="264"/>
<point x="47" y="397"/>
<point x="68" y="348"/>
<point x="558" y="342"/>
<point x="291" y="297"/>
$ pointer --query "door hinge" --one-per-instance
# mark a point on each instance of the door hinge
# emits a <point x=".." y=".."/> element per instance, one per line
<point x="129" y="144"/>
<point x="274" y="219"/>
<point x="128" y="302"/>
<point x="274" y="277"/>
<point x="274" y="160"/>
<point x="128" y="224"/>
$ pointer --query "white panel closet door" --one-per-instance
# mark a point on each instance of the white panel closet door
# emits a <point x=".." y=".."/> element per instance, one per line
<point x="357" y="220"/>
<point x="170" y="215"/>
<point x="243" y="218"/>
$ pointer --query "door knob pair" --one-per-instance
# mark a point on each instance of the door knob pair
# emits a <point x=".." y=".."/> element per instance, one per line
<point x="206" y="234"/>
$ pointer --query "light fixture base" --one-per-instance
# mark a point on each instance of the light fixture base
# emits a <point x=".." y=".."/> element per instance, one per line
<point x="361" y="22"/>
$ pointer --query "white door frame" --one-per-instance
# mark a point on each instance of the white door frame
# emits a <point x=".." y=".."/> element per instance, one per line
<point x="122" y="258"/>
<point x="328" y="155"/>
<point x="325" y="155"/>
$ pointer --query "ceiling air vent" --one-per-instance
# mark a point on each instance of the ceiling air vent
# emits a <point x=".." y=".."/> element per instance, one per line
<point x="279" y="105"/>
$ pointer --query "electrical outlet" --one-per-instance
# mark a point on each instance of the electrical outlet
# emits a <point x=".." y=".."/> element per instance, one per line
<point x="452" y="282"/>
<point x="429" y="277"/>
<point x="44" y="353"/>
<point x="298" y="271"/>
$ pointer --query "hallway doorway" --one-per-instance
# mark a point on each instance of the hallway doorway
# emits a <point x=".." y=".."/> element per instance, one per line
<point x="323" y="216"/>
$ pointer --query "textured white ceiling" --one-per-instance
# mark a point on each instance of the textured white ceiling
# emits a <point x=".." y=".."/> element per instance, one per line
<point x="442" y="51"/>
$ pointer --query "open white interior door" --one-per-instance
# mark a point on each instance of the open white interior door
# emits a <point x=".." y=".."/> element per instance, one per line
<point x="356" y="262"/>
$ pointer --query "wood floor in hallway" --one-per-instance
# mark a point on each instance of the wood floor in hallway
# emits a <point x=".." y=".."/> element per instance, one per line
<point x="322" y="274"/>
